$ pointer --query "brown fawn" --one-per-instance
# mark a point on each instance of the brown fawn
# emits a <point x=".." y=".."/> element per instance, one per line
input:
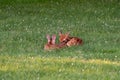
<point x="51" y="45"/>
<point x="71" y="41"/>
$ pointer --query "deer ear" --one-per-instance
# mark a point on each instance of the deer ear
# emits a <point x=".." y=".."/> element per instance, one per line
<point x="54" y="36"/>
<point x="53" y="39"/>
<point x="60" y="32"/>
<point x="48" y="36"/>
<point x="68" y="33"/>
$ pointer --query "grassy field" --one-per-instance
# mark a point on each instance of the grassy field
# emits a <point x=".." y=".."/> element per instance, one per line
<point x="25" y="23"/>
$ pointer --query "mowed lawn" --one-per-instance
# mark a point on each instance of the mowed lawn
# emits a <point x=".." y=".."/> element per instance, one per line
<point x="24" y="25"/>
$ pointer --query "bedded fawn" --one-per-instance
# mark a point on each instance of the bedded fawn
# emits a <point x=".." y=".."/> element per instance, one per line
<point x="51" y="45"/>
<point x="71" y="41"/>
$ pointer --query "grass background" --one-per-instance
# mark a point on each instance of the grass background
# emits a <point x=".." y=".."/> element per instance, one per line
<point x="25" y="23"/>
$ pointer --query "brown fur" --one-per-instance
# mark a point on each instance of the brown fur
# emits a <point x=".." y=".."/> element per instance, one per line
<point x="71" y="41"/>
<point x="51" y="45"/>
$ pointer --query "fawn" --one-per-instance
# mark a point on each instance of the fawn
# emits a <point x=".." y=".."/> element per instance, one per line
<point x="71" y="41"/>
<point x="51" y="45"/>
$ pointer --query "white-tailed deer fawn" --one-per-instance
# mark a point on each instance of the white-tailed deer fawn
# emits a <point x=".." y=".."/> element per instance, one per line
<point x="51" y="45"/>
<point x="71" y="41"/>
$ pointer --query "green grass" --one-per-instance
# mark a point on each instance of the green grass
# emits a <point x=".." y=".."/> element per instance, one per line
<point x="54" y="68"/>
<point x="25" y="23"/>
